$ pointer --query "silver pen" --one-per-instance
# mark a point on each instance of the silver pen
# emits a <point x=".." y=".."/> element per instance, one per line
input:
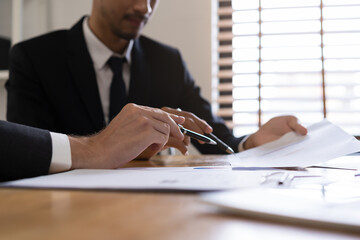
<point x="196" y="135"/>
<point x="223" y="146"/>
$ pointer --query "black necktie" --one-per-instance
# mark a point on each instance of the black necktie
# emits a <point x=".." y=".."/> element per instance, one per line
<point x="117" y="88"/>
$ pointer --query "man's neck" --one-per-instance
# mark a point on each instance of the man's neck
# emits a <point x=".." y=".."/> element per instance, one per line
<point x="116" y="44"/>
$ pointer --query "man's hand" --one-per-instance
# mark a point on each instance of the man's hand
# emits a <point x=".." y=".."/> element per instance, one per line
<point x="192" y="122"/>
<point x="134" y="130"/>
<point x="181" y="145"/>
<point x="274" y="129"/>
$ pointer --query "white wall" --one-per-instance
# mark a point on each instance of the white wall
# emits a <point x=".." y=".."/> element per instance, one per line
<point x="64" y="13"/>
<point x="5" y="31"/>
<point x="185" y="24"/>
<point x="41" y="16"/>
<point x="2" y="100"/>
<point x="5" y="18"/>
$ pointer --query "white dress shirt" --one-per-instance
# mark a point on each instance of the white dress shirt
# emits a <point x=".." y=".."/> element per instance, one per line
<point x="241" y="144"/>
<point x="61" y="153"/>
<point x="100" y="54"/>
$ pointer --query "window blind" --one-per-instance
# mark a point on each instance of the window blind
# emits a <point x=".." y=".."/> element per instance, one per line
<point x="298" y="57"/>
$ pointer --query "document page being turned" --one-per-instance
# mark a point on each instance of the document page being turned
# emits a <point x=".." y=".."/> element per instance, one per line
<point x="324" y="141"/>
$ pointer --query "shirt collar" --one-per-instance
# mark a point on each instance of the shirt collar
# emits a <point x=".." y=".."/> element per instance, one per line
<point x="99" y="52"/>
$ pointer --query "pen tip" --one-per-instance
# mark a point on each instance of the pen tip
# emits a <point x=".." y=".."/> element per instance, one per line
<point x="229" y="150"/>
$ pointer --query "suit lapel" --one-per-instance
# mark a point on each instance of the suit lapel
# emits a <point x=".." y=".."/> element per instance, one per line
<point x="140" y="80"/>
<point x="82" y="69"/>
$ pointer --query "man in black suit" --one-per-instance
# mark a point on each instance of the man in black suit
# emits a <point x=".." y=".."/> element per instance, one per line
<point x="4" y="53"/>
<point x="63" y="81"/>
<point x="29" y="152"/>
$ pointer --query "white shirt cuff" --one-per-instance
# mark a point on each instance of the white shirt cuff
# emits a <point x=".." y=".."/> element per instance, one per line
<point x="241" y="144"/>
<point x="61" y="153"/>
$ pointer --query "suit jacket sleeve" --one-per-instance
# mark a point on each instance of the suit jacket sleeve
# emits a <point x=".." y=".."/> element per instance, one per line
<point x="25" y="151"/>
<point x="192" y="101"/>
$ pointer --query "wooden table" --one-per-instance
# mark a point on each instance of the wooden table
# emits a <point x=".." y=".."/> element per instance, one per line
<point x="73" y="214"/>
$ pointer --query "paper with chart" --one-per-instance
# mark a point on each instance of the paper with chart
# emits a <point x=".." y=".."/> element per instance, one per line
<point x="324" y="141"/>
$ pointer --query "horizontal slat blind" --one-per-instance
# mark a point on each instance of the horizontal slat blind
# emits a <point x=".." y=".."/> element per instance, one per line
<point x="299" y="57"/>
<point x="341" y="39"/>
<point x="225" y="61"/>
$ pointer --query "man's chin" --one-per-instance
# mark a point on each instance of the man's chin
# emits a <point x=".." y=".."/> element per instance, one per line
<point x="128" y="36"/>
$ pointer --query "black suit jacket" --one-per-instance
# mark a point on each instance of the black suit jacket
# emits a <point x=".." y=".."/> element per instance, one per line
<point x="4" y="53"/>
<point x="53" y="85"/>
<point x="24" y="151"/>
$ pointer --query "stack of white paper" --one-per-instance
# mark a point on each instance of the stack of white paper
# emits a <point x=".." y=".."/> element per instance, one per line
<point x="314" y="207"/>
<point x="324" y="142"/>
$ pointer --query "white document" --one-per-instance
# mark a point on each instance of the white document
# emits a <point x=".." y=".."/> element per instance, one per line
<point x="164" y="178"/>
<point x="324" y="142"/>
<point x="314" y="207"/>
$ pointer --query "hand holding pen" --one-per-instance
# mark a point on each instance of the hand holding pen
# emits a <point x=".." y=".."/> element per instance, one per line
<point x="208" y="138"/>
<point x="197" y="126"/>
<point x="196" y="135"/>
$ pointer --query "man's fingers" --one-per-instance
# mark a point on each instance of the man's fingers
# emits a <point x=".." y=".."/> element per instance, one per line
<point x="171" y="120"/>
<point x="192" y="122"/>
<point x="179" y="145"/>
<point x="149" y="152"/>
<point x="178" y="119"/>
<point x="204" y="125"/>
<point x="295" y="126"/>
<point x="160" y="126"/>
<point x="187" y="140"/>
<point x="175" y="131"/>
